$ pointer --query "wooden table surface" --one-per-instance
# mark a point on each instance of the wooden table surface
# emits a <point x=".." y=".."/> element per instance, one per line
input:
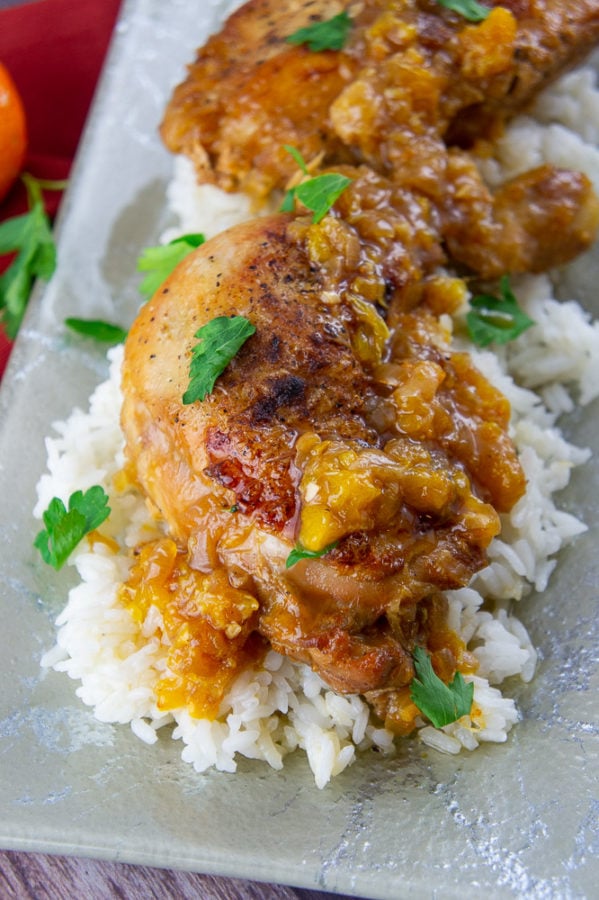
<point x="35" y="876"/>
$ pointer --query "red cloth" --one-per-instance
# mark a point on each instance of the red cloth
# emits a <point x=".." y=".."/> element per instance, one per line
<point x="54" y="50"/>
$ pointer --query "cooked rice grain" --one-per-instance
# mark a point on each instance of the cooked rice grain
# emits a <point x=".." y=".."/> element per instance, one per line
<point x="282" y="706"/>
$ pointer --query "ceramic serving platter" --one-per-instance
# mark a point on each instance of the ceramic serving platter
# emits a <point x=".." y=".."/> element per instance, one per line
<point x="518" y="819"/>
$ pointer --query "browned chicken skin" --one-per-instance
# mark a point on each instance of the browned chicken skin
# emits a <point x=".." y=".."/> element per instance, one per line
<point x="400" y="463"/>
<point x="408" y="69"/>
<point x="345" y="423"/>
<point x="413" y="79"/>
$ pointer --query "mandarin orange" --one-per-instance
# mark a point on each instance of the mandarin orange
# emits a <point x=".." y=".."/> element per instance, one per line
<point x="13" y="131"/>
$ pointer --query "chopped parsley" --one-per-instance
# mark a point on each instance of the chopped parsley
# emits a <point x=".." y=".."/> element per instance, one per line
<point x="29" y="236"/>
<point x="65" y="528"/>
<point x="158" y="262"/>
<point x="219" y="341"/>
<point x="496" y="319"/>
<point x="318" y="194"/>
<point x="330" y="34"/>
<point x="469" y="9"/>
<point x="300" y="552"/>
<point x="441" y="703"/>
<point x="105" y="332"/>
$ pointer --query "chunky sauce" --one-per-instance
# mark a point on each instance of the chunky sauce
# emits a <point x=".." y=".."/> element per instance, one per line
<point x="207" y="624"/>
<point x="346" y="424"/>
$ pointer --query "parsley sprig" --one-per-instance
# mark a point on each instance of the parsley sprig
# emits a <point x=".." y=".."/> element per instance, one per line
<point x="98" y="329"/>
<point x="219" y="341"/>
<point x="496" y="319"/>
<point x="469" y="9"/>
<point x="318" y="194"/>
<point x="331" y="34"/>
<point x="29" y="236"/>
<point x="158" y="262"/>
<point x="300" y="552"/>
<point x="65" y="528"/>
<point x="441" y="703"/>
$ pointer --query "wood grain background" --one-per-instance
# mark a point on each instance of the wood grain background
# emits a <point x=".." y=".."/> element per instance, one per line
<point x="35" y="876"/>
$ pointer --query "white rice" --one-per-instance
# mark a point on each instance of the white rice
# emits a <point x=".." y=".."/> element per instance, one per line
<point x="282" y="706"/>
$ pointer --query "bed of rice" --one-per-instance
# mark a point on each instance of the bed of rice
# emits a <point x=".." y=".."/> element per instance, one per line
<point x="283" y="706"/>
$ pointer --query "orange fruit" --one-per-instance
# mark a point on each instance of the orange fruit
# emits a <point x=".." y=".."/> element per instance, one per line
<point x="13" y="132"/>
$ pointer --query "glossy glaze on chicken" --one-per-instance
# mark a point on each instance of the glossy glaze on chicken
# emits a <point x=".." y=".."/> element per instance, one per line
<point x="414" y="85"/>
<point x="345" y="423"/>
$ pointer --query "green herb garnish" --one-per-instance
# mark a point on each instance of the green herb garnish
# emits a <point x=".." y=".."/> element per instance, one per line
<point x="318" y="194"/>
<point x="469" y="9"/>
<point x="328" y="35"/>
<point x="496" y="319"/>
<point x="105" y="332"/>
<point x="297" y="157"/>
<point x="219" y="341"/>
<point x="300" y="552"/>
<point x="66" y="528"/>
<point x="441" y="703"/>
<point x="160" y="261"/>
<point x="30" y="237"/>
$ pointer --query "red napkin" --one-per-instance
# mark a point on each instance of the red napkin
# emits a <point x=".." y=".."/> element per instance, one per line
<point x="54" y="50"/>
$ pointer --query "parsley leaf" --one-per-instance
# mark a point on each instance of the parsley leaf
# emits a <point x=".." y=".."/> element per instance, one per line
<point x="66" y="528"/>
<point x="318" y="194"/>
<point x="288" y="204"/>
<point x="220" y="339"/>
<point x="441" y="703"/>
<point x="297" y="157"/>
<point x="105" y="332"/>
<point x="300" y="552"/>
<point x="30" y="237"/>
<point x="496" y="319"/>
<point x="330" y="34"/>
<point x="158" y="262"/>
<point x="469" y="9"/>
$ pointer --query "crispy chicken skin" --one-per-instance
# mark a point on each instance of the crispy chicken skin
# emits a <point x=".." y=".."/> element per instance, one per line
<point x="413" y="80"/>
<point x="296" y="369"/>
<point x="408" y="69"/>
<point x="400" y="463"/>
<point x="345" y="425"/>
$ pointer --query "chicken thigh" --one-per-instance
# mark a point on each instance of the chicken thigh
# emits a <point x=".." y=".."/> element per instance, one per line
<point x="382" y="458"/>
<point x="347" y="467"/>
<point x="413" y="86"/>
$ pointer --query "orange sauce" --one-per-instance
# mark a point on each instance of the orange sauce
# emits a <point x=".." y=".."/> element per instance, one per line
<point x="208" y="625"/>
